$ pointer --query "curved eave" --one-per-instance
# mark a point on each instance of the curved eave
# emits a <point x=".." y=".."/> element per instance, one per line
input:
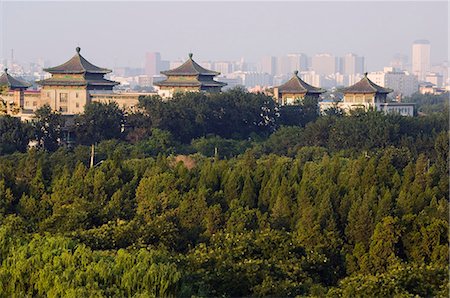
<point x="190" y="68"/>
<point x="215" y="84"/>
<point x="320" y="91"/>
<point x="179" y="73"/>
<point x="65" y="83"/>
<point x="367" y="91"/>
<point x="194" y="84"/>
<point x="176" y="84"/>
<point x="298" y="86"/>
<point x="76" y="65"/>
<point x="13" y="83"/>
<point x="52" y="71"/>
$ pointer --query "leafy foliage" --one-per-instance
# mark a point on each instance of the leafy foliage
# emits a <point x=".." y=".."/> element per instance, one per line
<point x="343" y="206"/>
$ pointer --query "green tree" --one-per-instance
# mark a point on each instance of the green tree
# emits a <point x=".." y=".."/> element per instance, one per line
<point x="48" y="127"/>
<point x="100" y="121"/>
<point x="14" y="135"/>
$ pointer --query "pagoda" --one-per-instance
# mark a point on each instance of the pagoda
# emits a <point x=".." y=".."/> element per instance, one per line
<point x="11" y="83"/>
<point x="295" y="89"/>
<point x="11" y="93"/>
<point x="365" y="93"/>
<point x="68" y="89"/>
<point x="188" y="77"/>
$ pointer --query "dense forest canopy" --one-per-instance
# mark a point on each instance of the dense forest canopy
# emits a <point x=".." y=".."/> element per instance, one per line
<point x="225" y="195"/>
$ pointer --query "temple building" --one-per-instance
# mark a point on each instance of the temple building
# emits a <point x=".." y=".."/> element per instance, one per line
<point x="294" y="90"/>
<point x="70" y="87"/>
<point x="188" y="77"/>
<point x="365" y="94"/>
<point x="14" y="95"/>
<point x="12" y="83"/>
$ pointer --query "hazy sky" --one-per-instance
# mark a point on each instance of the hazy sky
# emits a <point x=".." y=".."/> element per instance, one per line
<point x="119" y="33"/>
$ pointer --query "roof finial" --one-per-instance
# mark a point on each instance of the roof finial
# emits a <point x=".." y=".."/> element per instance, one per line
<point x="78" y="49"/>
<point x="296" y="72"/>
<point x="190" y="55"/>
<point x="6" y="69"/>
<point x="365" y="74"/>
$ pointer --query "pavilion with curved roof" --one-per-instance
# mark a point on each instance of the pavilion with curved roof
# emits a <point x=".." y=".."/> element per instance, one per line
<point x="295" y="89"/>
<point x="12" y="83"/>
<point x="70" y="87"/>
<point x="188" y="77"/>
<point x="365" y="95"/>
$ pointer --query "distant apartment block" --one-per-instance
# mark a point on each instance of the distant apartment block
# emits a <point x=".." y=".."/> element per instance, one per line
<point x="269" y="65"/>
<point x="435" y="79"/>
<point x="421" y="62"/>
<point x="401" y="82"/>
<point x="351" y="64"/>
<point x="324" y="64"/>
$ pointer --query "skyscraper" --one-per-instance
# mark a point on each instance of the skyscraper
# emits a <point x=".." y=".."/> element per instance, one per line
<point x="269" y="65"/>
<point x="421" y="58"/>
<point x="298" y="61"/>
<point x="324" y="64"/>
<point x="352" y="64"/>
<point x="152" y="63"/>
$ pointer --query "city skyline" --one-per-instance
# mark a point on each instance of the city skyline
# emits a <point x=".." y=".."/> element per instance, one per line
<point x="251" y="25"/>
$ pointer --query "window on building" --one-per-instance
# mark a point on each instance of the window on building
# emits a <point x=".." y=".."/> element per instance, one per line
<point x="77" y="104"/>
<point x="63" y="97"/>
<point x="63" y="109"/>
<point x="76" y="95"/>
<point x="34" y="103"/>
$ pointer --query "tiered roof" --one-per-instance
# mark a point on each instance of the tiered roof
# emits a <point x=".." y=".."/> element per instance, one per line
<point x="190" y="74"/>
<point x="190" y="68"/>
<point x="297" y="85"/>
<point x="77" y="64"/>
<point x="366" y="86"/>
<point x="91" y="75"/>
<point x="7" y="80"/>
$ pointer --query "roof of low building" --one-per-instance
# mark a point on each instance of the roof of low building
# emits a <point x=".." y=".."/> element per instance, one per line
<point x="190" y="84"/>
<point x="7" y="80"/>
<point x="297" y="85"/>
<point x="77" y="64"/>
<point x="77" y="82"/>
<point x="365" y="85"/>
<point x="190" y="67"/>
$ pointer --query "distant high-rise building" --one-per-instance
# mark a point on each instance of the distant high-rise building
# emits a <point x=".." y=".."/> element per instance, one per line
<point x="223" y="67"/>
<point x="352" y="64"/>
<point x="269" y="65"/>
<point x="283" y="65"/>
<point x="324" y="64"/>
<point x="401" y="82"/>
<point x="399" y="61"/>
<point x="152" y="63"/>
<point x="442" y="69"/>
<point x="207" y="64"/>
<point x="421" y="58"/>
<point x="298" y="62"/>
<point x="434" y="78"/>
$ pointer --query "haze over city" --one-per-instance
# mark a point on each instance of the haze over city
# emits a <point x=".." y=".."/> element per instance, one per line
<point x="119" y="34"/>
<point x="224" y="149"/>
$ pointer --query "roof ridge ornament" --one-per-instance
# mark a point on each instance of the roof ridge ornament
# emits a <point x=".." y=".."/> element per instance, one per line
<point x="365" y="74"/>
<point x="6" y="70"/>
<point x="190" y="55"/>
<point x="295" y="72"/>
<point x="78" y="49"/>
